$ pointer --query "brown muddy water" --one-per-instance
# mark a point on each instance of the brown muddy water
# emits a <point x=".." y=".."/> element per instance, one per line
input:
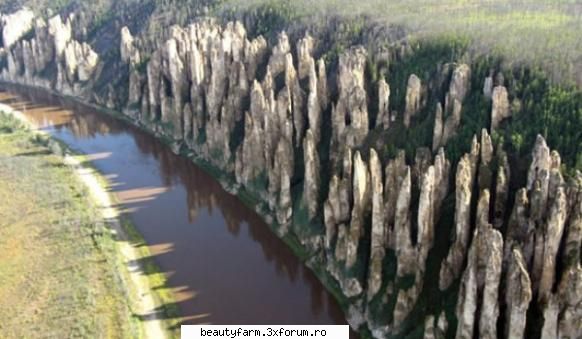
<point x="223" y="262"/>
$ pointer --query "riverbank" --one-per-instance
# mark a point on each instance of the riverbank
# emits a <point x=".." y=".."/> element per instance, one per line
<point x="251" y="199"/>
<point x="62" y="233"/>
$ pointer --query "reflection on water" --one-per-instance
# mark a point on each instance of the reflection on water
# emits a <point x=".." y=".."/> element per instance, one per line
<point x="223" y="263"/>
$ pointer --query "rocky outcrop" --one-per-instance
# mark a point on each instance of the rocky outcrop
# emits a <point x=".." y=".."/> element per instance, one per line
<point x="378" y="243"/>
<point x="413" y="98"/>
<point x="500" y="110"/>
<point x="488" y="87"/>
<point x="350" y="113"/>
<point x="383" y="118"/>
<point x="447" y="122"/>
<point x="481" y="278"/>
<point x="278" y="59"/>
<point x="61" y="33"/>
<point x="437" y="134"/>
<point x="73" y="63"/>
<point x="460" y="83"/>
<point x="517" y="297"/>
<point x="311" y="181"/>
<point x="80" y="61"/>
<point x="361" y="199"/>
<point x="15" y="26"/>
<point x="259" y="113"/>
<point x="128" y="50"/>
<point x="402" y="236"/>
<point x="435" y="328"/>
<point x="452" y="265"/>
<point x="501" y="189"/>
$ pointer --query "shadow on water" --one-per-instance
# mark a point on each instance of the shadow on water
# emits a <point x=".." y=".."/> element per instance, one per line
<point x="223" y="263"/>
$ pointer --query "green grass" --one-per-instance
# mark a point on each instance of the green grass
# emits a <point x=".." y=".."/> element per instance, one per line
<point x="94" y="266"/>
<point x="58" y="260"/>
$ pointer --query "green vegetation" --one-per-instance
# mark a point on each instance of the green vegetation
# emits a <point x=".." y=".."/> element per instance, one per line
<point x="538" y="105"/>
<point x="38" y="6"/>
<point x="62" y="269"/>
<point x="58" y="260"/>
<point x="544" y="33"/>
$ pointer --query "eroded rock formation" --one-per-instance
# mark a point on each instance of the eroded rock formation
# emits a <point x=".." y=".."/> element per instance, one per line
<point x="261" y="114"/>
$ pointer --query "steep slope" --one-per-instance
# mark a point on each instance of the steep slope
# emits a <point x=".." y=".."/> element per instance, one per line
<point x="402" y="172"/>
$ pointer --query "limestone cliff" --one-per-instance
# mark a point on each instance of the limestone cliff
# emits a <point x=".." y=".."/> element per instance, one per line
<point x="312" y="141"/>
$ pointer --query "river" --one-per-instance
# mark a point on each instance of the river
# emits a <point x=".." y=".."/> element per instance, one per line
<point x="222" y="261"/>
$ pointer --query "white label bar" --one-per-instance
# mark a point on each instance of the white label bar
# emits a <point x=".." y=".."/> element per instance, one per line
<point x="265" y="331"/>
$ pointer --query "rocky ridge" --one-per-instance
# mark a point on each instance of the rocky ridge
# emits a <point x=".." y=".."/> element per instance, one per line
<point x="257" y="112"/>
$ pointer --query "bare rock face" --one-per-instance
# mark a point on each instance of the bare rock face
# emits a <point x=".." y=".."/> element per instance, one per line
<point x="15" y="26"/>
<point x="488" y="87"/>
<point x="460" y="82"/>
<point x="80" y="61"/>
<point x="438" y="128"/>
<point x="486" y="148"/>
<point x="552" y="235"/>
<point x="27" y="60"/>
<point x="404" y="250"/>
<point x="570" y="296"/>
<point x="313" y="103"/>
<point x="322" y="88"/>
<point x="61" y="33"/>
<point x="278" y="59"/>
<point x="426" y="215"/>
<point x="177" y="74"/>
<point x="297" y="98"/>
<point x="42" y="45"/>
<point x="442" y="170"/>
<point x="361" y="197"/>
<point x="517" y="297"/>
<point x="467" y="300"/>
<point x="453" y="108"/>
<point x="129" y="53"/>
<point x="395" y="173"/>
<point x="136" y="83"/>
<point x="404" y="303"/>
<point x="435" y="328"/>
<point x="304" y="50"/>
<point x="520" y="229"/>
<point x="541" y="162"/>
<point x="311" y="181"/>
<point x="252" y="143"/>
<point x="490" y="306"/>
<point x="352" y="101"/>
<point x="341" y="247"/>
<point x="481" y="277"/>
<point x="378" y="230"/>
<point x="154" y="68"/>
<point x="413" y="98"/>
<point x="284" y="210"/>
<point x="550" y="315"/>
<point x="500" y="110"/>
<point x="452" y="265"/>
<point x="75" y="62"/>
<point x="458" y="88"/>
<point x="574" y="229"/>
<point x="501" y="189"/>
<point x="255" y="53"/>
<point x="383" y="118"/>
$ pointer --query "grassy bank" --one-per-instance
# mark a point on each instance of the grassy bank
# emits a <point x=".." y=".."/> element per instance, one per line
<point x="62" y="269"/>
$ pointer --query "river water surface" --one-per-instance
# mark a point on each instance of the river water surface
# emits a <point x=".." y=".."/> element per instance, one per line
<point x="222" y="262"/>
